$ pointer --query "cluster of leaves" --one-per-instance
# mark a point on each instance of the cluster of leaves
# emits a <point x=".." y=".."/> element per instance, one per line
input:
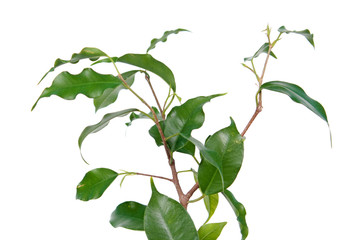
<point x="221" y="154"/>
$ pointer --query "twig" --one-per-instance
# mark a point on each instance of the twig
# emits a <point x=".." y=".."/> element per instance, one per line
<point x="154" y="176"/>
<point x="147" y="77"/>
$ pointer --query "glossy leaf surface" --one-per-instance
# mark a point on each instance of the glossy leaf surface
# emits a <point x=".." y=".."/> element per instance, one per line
<point x="306" y="33"/>
<point x="134" y="116"/>
<point x="211" y="203"/>
<point x="110" y="95"/>
<point x="239" y="211"/>
<point x="164" y="38"/>
<point x="229" y="144"/>
<point x="298" y="95"/>
<point x="211" y="231"/>
<point x="263" y="49"/>
<point x="103" y="123"/>
<point x="86" y="53"/>
<point x="166" y="219"/>
<point x="147" y="62"/>
<point x="94" y="183"/>
<point x="129" y="215"/>
<point x="88" y="82"/>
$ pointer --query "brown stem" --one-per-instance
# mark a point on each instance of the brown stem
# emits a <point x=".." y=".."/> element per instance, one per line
<point x="147" y="77"/>
<point x="154" y="176"/>
<point x="257" y="111"/>
<point x="190" y="193"/>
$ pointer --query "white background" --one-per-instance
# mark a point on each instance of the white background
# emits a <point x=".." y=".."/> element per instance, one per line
<point x="292" y="183"/>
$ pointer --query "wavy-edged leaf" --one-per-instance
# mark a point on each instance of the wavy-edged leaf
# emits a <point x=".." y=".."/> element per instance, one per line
<point x="86" y="53"/>
<point x="94" y="183"/>
<point x="211" y="231"/>
<point x="229" y="145"/>
<point x="129" y="215"/>
<point x="211" y="203"/>
<point x="147" y="62"/>
<point x="164" y="38"/>
<point x="110" y="95"/>
<point x="306" y="33"/>
<point x="263" y="49"/>
<point x="88" y="82"/>
<point x="166" y="219"/>
<point x="103" y="123"/>
<point x="239" y="211"/>
<point x="133" y="116"/>
<point x="298" y="95"/>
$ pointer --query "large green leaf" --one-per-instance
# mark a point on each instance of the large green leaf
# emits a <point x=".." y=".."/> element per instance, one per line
<point x="229" y="144"/>
<point x="211" y="203"/>
<point x="94" y="183"/>
<point x="88" y="82"/>
<point x="263" y="49"/>
<point x="211" y="231"/>
<point x="166" y="219"/>
<point x="110" y="95"/>
<point x="306" y="33"/>
<point x="164" y="38"/>
<point x="239" y="211"/>
<point x="103" y="123"/>
<point x="298" y="95"/>
<point x="129" y="215"/>
<point x="147" y="62"/>
<point x="182" y="120"/>
<point x="86" y="53"/>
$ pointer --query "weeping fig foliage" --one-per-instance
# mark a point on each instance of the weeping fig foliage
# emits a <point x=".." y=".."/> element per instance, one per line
<point x="217" y="159"/>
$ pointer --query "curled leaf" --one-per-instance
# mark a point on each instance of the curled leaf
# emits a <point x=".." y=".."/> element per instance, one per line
<point x="306" y="33"/>
<point x="263" y="49"/>
<point x="164" y="38"/>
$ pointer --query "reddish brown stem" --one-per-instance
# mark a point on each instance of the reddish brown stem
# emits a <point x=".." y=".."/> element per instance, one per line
<point x="154" y="176"/>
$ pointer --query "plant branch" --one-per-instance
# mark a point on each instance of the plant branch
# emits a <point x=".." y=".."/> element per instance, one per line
<point x="147" y="77"/>
<point x="154" y="176"/>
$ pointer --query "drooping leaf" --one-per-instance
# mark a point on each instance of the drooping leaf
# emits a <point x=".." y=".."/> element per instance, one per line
<point x="239" y="211"/>
<point x="229" y="144"/>
<point x="133" y="116"/>
<point x="88" y="82"/>
<point x="263" y="49"/>
<point x="298" y="95"/>
<point x="129" y="215"/>
<point x="110" y="95"/>
<point x="166" y="219"/>
<point x="94" y="183"/>
<point x="306" y="33"/>
<point x="164" y="38"/>
<point x="103" y="123"/>
<point x="211" y="231"/>
<point x="86" y="53"/>
<point x="211" y="203"/>
<point x="147" y="62"/>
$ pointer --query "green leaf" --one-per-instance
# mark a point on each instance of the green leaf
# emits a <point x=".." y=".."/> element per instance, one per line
<point x="88" y="82"/>
<point x="239" y="211"/>
<point x="147" y="62"/>
<point x="211" y="203"/>
<point x="110" y="95"/>
<point x="229" y="144"/>
<point x="86" y="53"/>
<point x="211" y="231"/>
<point x="306" y="33"/>
<point x="164" y="38"/>
<point x="263" y="49"/>
<point x="298" y="95"/>
<point x="166" y="219"/>
<point x="94" y="183"/>
<point x="103" y="123"/>
<point x="129" y="215"/>
<point x="133" y="116"/>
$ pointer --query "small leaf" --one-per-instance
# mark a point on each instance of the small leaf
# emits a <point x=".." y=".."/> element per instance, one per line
<point x="211" y="231"/>
<point x="147" y="62"/>
<point x="94" y="183"/>
<point x="164" y="38"/>
<point x="110" y="95"/>
<point x="134" y="116"/>
<point x="239" y="211"/>
<point x="263" y="49"/>
<point x="86" y="53"/>
<point x="88" y="82"/>
<point x="211" y="203"/>
<point x="129" y="215"/>
<point x="298" y="95"/>
<point x="103" y="123"/>
<point x="306" y="33"/>
<point x="229" y="145"/>
<point x="166" y="219"/>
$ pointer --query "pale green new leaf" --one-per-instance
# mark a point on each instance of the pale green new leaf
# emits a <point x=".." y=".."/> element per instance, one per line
<point x="306" y="33"/>
<point x="166" y="219"/>
<point x="94" y="183"/>
<point x="211" y="203"/>
<point x="211" y="231"/>
<point x="164" y="38"/>
<point x="129" y="215"/>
